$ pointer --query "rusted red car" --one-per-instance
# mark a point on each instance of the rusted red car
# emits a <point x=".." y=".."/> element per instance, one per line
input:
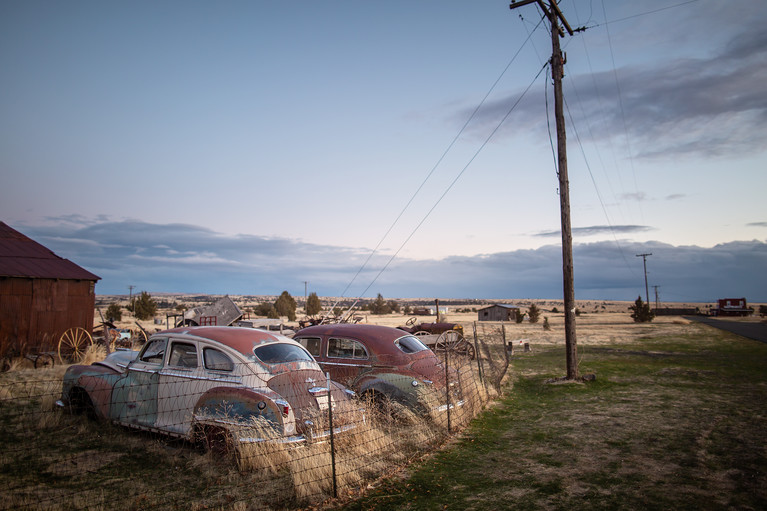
<point x="207" y="383"/>
<point x="383" y="362"/>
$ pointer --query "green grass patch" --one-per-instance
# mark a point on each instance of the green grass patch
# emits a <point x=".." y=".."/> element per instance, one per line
<point x="671" y="422"/>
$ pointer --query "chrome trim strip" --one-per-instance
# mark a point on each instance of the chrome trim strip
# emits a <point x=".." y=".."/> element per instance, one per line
<point x="227" y="379"/>
<point x="345" y="365"/>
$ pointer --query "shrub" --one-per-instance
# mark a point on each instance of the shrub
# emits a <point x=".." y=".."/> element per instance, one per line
<point x="533" y="313"/>
<point x="313" y="305"/>
<point x="380" y="306"/>
<point x="114" y="313"/>
<point x="641" y="311"/>
<point x="144" y="307"/>
<point x="286" y="306"/>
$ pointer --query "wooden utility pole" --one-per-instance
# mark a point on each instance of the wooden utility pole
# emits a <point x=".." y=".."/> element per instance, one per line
<point x="646" y="289"/>
<point x="557" y="72"/>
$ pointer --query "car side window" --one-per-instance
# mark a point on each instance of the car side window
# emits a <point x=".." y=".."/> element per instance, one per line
<point x="312" y="345"/>
<point x="183" y="354"/>
<point x="154" y="351"/>
<point x="215" y="360"/>
<point x="346" y="348"/>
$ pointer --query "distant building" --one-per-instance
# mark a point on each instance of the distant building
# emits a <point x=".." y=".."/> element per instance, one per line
<point x="42" y="295"/>
<point x="498" y="312"/>
<point x="732" y="307"/>
<point x="224" y="312"/>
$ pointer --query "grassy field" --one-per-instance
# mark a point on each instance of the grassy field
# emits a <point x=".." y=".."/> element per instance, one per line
<point x="674" y="420"/>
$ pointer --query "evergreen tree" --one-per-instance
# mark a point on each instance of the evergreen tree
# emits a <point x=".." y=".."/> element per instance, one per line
<point x="144" y="307"/>
<point x="114" y="313"/>
<point x="286" y="306"/>
<point x="641" y="311"/>
<point x="313" y="305"/>
<point x="533" y="313"/>
<point x="380" y="306"/>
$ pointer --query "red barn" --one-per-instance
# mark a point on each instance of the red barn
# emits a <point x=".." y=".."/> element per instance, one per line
<point x="42" y="295"/>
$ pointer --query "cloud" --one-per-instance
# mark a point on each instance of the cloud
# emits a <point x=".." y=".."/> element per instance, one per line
<point x="757" y="224"/>
<point x="186" y="258"/>
<point x="597" y="229"/>
<point x="712" y="106"/>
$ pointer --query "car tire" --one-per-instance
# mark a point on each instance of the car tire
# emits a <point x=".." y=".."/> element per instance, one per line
<point x="80" y="403"/>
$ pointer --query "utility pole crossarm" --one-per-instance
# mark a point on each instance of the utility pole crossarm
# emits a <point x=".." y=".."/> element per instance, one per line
<point x="554" y="7"/>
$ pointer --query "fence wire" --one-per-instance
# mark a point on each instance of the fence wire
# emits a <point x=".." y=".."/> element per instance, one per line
<point x="54" y="457"/>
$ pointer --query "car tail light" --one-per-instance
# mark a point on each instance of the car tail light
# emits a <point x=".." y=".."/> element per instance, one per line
<point x="284" y="407"/>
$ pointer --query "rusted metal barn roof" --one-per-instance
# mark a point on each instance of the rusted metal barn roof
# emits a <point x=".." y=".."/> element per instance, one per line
<point x="21" y="256"/>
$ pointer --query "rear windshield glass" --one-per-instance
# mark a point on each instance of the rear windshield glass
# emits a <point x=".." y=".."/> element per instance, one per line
<point x="410" y="344"/>
<point x="278" y="353"/>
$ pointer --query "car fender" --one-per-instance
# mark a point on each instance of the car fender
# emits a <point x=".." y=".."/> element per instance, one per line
<point x="97" y="382"/>
<point x="240" y="406"/>
<point x="395" y="386"/>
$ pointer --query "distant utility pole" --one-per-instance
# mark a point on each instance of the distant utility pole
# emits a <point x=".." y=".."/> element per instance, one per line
<point x="130" y="289"/>
<point x="657" y="301"/>
<point x="646" y="289"/>
<point x="557" y="72"/>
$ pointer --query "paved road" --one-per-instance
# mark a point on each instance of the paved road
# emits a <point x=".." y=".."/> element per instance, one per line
<point x="756" y="331"/>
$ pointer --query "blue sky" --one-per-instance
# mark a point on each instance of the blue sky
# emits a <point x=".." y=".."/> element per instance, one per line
<point x="247" y="147"/>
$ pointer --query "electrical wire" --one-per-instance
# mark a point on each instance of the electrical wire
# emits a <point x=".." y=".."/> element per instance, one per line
<point x="439" y="161"/>
<point x="471" y="160"/>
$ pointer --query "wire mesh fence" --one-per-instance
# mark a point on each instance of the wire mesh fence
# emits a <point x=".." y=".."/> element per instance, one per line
<point x="132" y="438"/>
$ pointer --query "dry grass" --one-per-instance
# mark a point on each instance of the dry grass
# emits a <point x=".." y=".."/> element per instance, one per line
<point x="54" y="460"/>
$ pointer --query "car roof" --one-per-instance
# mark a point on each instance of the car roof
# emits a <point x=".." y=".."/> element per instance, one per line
<point x="374" y="333"/>
<point x="243" y="340"/>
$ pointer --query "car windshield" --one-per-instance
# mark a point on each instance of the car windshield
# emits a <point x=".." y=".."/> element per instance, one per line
<point x="410" y="344"/>
<point x="278" y="353"/>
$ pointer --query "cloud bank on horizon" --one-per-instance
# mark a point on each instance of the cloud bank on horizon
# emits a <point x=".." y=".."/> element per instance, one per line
<point x="251" y="146"/>
<point x="189" y="259"/>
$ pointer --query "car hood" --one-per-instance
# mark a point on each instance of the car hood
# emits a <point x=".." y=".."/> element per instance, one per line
<point x="118" y="360"/>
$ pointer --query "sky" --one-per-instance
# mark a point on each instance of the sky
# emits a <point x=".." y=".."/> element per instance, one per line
<point x="402" y="148"/>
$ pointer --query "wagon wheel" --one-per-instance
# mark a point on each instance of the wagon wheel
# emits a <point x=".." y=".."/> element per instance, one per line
<point x="421" y="333"/>
<point x="73" y="344"/>
<point x="139" y="338"/>
<point x="453" y="341"/>
<point x="44" y="360"/>
<point x="411" y="321"/>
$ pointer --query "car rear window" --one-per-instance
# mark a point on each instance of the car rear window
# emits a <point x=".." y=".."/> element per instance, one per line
<point x="346" y="348"/>
<point x="278" y="353"/>
<point x="410" y="344"/>
<point x="217" y="361"/>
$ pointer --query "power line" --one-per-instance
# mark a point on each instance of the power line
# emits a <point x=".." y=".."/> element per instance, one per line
<point x="471" y="160"/>
<point x="439" y="161"/>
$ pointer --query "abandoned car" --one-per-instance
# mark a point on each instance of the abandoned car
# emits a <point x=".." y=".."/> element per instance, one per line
<point x="381" y="362"/>
<point x="213" y="383"/>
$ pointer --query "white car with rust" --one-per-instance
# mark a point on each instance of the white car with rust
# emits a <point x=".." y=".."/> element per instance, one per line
<point x="217" y="384"/>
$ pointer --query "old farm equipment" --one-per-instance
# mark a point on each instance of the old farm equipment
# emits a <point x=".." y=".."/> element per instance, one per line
<point x="441" y="337"/>
<point x="74" y="342"/>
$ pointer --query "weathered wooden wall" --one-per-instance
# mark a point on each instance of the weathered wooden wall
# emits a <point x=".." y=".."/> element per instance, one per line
<point x="35" y="312"/>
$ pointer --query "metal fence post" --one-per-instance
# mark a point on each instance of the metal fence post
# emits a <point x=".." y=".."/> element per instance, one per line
<point x="332" y="438"/>
<point x="447" y="386"/>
